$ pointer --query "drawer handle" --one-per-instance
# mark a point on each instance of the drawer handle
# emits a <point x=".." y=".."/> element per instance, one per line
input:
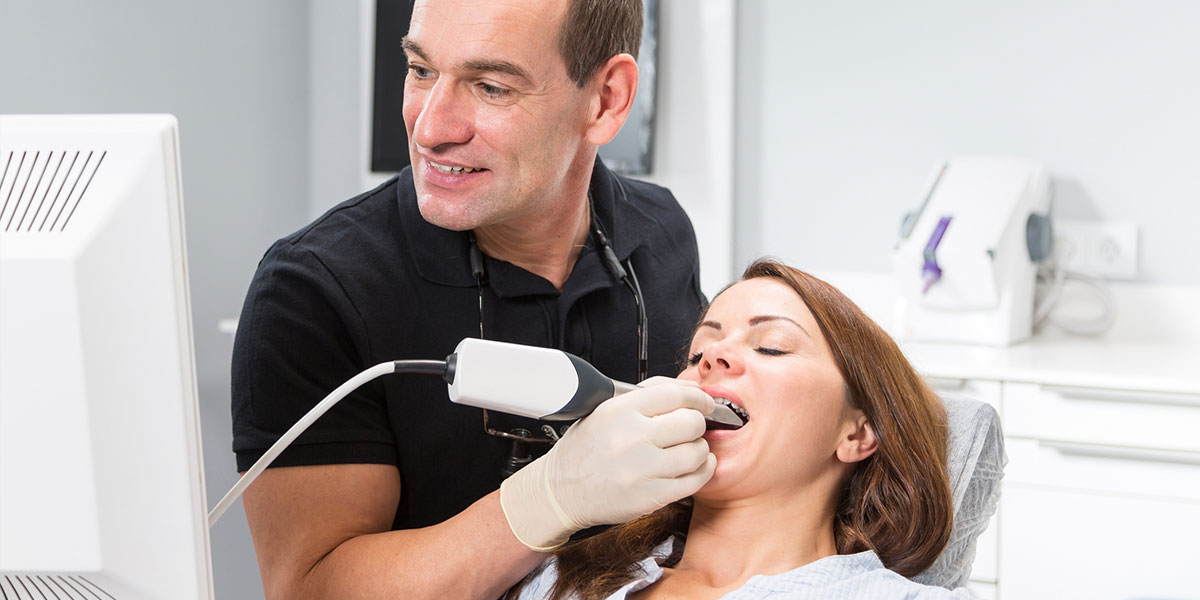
<point x="1123" y="452"/>
<point x="1138" y="396"/>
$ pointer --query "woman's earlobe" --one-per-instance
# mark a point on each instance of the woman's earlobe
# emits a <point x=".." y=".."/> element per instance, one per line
<point x="860" y="443"/>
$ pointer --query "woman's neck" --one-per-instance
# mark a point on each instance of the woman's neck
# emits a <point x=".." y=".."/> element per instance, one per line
<point x="728" y="543"/>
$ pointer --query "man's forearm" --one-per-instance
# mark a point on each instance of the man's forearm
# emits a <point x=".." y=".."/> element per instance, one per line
<point x="472" y="555"/>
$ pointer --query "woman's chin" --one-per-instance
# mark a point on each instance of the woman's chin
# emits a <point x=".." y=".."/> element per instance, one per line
<point x="727" y="480"/>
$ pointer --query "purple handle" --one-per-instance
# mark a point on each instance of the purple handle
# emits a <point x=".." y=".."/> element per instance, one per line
<point x="931" y="272"/>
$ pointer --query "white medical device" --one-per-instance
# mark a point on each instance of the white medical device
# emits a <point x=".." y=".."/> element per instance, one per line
<point x="540" y="383"/>
<point x="966" y="261"/>
<point x="101" y="475"/>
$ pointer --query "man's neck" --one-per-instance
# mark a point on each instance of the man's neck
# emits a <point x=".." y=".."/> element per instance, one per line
<point x="547" y="243"/>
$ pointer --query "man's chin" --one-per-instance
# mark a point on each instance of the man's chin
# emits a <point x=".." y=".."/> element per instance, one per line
<point x="444" y="213"/>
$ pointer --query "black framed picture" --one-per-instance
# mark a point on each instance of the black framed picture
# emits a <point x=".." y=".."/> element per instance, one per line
<point x="630" y="152"/>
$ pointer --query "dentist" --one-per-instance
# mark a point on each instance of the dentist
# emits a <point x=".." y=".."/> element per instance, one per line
<point x="508" y="227"/>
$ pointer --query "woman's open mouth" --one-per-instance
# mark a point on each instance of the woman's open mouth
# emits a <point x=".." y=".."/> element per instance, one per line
<point x="737" y="410"/>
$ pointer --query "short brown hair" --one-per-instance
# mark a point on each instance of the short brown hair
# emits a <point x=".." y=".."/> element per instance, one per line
<point x="597" y="30"/>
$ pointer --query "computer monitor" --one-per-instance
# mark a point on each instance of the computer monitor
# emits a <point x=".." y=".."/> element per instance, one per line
<point x="101" y="476"/>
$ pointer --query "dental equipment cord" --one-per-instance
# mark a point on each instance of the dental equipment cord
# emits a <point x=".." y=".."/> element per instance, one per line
<point x="431" y="367"/>
<point x="1056" y="277"/>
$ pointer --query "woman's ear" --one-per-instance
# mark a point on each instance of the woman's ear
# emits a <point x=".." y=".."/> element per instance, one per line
<point x="613" y="89"/>
<point x="858" y="440"/>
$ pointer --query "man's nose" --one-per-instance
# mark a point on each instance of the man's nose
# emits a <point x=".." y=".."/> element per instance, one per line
<point x="444" y="118"/>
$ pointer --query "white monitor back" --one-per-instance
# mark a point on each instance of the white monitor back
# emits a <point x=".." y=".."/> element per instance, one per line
<point x="101" y="476"/>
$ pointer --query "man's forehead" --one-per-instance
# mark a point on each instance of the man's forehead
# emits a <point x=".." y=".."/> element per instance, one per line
<point x="470" y="33"/>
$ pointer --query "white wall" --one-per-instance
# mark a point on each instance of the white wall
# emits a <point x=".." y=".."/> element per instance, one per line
<point x="693" y="150"/>
<point x="843" y="107"/>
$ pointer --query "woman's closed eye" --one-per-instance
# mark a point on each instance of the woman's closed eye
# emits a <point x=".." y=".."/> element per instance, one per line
<point x="695" y="358"/>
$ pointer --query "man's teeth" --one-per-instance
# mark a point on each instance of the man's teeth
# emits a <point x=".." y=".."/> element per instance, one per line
<point x="448" y="169"/>
<point x="738" y="410"/>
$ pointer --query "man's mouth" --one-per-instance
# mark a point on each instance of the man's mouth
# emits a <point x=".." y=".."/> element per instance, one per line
<point x="453" y="170"/>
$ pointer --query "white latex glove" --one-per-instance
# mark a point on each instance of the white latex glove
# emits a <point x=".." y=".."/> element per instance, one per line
<point x="633" y="455"/>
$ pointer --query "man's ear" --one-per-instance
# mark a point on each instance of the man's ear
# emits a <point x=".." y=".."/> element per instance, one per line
<point x="613" y="88"/>
<point x="858" y="439"/>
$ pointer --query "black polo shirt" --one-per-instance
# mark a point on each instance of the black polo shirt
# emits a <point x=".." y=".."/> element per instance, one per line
<point x="371" y="281"/>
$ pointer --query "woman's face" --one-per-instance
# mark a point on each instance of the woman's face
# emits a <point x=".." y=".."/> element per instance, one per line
<point x="760" y="347"/>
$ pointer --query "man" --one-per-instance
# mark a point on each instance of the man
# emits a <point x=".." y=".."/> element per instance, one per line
<point x="497" y="230"/>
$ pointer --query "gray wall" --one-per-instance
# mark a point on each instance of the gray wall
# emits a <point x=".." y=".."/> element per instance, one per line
<point x="236" y="76"/>
<point x="843" y="107"/>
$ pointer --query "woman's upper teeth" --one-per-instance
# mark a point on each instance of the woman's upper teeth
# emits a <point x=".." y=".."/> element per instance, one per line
<point x="741" y="412"/>
<point x="450" y="169"/>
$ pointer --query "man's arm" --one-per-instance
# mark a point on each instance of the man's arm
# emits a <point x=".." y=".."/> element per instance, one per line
<point x="324" y="532"/>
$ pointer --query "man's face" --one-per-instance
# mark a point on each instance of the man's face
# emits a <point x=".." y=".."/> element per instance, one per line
<point x="494" y="122"/>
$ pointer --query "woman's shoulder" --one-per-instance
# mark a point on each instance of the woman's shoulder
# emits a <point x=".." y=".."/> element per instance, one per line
<point x="539" y="583"/>
<point x="860" y="575"/>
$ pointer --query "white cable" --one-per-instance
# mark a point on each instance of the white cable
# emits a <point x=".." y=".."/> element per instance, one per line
<point x="1094" y="326"/>
<point x="282" y="443"/>
<point x="1057" y="277"/>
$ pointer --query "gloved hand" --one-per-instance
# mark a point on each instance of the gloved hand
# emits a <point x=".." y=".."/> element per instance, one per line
<point x="633" y="455"/>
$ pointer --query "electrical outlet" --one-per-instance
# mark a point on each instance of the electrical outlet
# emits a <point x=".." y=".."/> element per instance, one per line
<point x="1107" y="249"/>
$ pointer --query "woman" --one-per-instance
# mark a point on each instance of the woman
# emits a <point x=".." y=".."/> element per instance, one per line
<point x="835" y="487"/>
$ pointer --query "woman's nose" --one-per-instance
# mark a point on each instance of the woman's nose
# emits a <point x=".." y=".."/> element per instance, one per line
<point x="719" y="357"/>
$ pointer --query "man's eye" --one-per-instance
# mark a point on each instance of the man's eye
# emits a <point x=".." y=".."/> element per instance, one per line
<point x="769" y="351"/>
<point x="492" y="91"/>
<point x="694" y="359"/>
<point x="419" y="72"/>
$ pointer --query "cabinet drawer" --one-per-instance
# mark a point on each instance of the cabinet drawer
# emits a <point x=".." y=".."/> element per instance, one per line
<point x="1105" y="469"/>
<point x="1148" y="420"/>
<point x="1062" y="544"/>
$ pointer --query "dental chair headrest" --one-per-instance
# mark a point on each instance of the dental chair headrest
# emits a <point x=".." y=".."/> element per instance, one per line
<point x="975" y="463"/>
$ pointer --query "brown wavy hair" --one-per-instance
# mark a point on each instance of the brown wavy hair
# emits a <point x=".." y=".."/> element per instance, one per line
<point x="896" y="502"/>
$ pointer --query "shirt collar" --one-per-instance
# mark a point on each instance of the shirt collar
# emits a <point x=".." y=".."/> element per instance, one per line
<point x="442" y="256"/>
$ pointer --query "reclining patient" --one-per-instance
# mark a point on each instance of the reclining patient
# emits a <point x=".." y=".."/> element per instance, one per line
<point x="836" y="487"/>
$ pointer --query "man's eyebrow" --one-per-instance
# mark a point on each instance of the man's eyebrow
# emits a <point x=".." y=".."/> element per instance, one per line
<point x="411" y="46"/>
<point x="476" y="65"/>
<point x="497" y="66"/>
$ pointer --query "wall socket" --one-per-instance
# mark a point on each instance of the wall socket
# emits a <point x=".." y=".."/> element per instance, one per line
<point x="1107" y="249"/>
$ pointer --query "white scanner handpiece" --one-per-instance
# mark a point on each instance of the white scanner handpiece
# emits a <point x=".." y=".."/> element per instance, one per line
<point x="541" y="383"/>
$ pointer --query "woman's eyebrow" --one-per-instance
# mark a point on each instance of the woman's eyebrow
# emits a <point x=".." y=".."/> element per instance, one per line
<point x="757" y="321"/>
<point x="769" y="318"/>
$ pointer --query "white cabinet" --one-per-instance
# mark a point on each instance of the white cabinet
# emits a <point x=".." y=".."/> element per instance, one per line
<point x="1060" y="543"/>
<point x="1101" y="495"/>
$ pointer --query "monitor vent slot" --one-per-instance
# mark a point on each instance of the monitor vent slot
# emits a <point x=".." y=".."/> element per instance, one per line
<point x="55" y="587"/>
<point x="41" y="190"/>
